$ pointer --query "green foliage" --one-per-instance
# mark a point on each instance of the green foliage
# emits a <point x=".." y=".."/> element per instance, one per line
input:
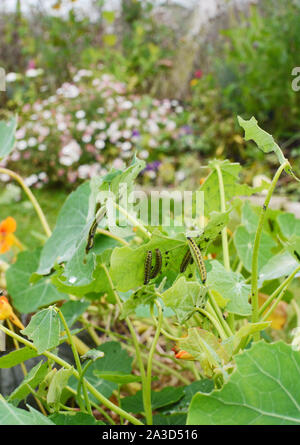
<point x="7" y="136"/>
<point x="260" y="392"/>
<point x="44" y="329"/>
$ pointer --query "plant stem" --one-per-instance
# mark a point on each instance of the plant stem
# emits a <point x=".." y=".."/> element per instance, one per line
<point x="85" y="395"/>
<point x="225" y="248"/>
<point x="77" y="360"/>
<point x="254" y="279"/>
<point x="111" y="235"/>
<point x="150" y="358"/>
<point x="219" y="314"/>
<point x="31" y="197"/>
<point x="147" y="408"/>
<point x="277" y="291"/>
<point x="67" y="365"/>
<point x="214" y="321"/>
<point x="133" y="220"/>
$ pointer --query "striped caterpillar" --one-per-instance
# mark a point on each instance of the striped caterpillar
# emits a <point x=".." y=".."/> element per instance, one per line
<point x="186" y="261"/>
<point x="196" y="254"/>
<point x="158" y="263"/>
<point x="148" y="264"/>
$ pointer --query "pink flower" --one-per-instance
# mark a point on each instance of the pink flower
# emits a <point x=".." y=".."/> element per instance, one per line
<point x="198" y="74"/>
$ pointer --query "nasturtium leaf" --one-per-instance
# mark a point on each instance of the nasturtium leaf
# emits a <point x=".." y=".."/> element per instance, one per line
<point x="57" y="384"/>
<point x="244" y="243"/>
<point x="143" y="296"/>
<point x="289" y="225"/>
<point x="205" y="348"/>
<point x="31" y="380"/>
<point x="44" y="329"/>
<point x="93" y="286"/>
<point x="280" y="265"/>
<point x="116" y="377"/>
<point x="72" y="228"/>
<point x="72" y="310"/>
<point x="261" y="391"/>
<point x="16" y="357"/>
<point x="231" y="286"/>
<point x="232" y="187"/>
<point x="74" y="419"/>
<point x="10" y="415"/>
<point x="26" y="296"/>
<point x="184" y="297"/>
<point x="264" y="141"/>
<point x="115" y="359"/>
<point x="7" y="136"/>
<point x="166" y="396"/>
<point x="203" y="385"/>
<point x="249" y="217"/>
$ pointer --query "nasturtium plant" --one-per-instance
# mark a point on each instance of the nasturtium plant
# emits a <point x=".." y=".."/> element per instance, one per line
<point x="166" y="323"/>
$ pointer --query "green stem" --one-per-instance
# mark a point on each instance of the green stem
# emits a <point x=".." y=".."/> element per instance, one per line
<point x="133" y="220"/>
<point x="85" y="394"/>
<point x="77" y="361"/>
<point x="254" y="279"/>
<point x="219" y="314"/>
<point x="31" y="197"/>
<point x="225" y="248"/>
<point x="147" y="408"/>
<point x="277" y="291"/>
<point x="150" y="358"/>
<point x="66" y="365"/>
<point x="211" y="316"/>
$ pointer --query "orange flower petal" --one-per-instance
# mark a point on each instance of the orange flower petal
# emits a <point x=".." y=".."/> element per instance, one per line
<point x="6" y="242"/>
<point x="8" y="225"/>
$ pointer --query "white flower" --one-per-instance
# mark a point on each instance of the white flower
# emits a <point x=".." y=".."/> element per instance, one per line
<point x="126" y="105"/>
<point x="180" y="175"/>
<point x="152" y="143"/>
<point x="42" y="147"/>
<point x="100" y="110"/>
<point x="86" y="138"/>
<point x="81" y="126"/>
<point x="127" y="134"/>
<point x="179" y="109"/>
<point x="43" y="176"/>
<point x="171" y="125"/>
<point x="32" y="142"/>
<point x="32" y="72"/>
<point x="62" y="126"/>
<point x="70" y="153"/>
<point x="144" y="114"/>
<point x="101" y="125"/>
<point x="22" y="145"/>
<point x="47" y="114"/>
<point x="144" y="154"/>
<point x="99" y="144"/>
<point x="32" y="179"/>
<point x="126" y="146"/>
<point x="80" y="114"/>
<point x="20" y="134"/>
<point x="11" y="77"/>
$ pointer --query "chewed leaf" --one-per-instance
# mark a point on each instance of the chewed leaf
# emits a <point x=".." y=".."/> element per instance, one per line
<point x="264" y="141"/>
<point x="43" y="329"/>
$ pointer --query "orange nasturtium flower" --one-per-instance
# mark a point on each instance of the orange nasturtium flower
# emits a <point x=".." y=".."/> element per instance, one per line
<point x="182" y="354"/>
<point x="6" y="311"/>
<point x="7" y="239"/>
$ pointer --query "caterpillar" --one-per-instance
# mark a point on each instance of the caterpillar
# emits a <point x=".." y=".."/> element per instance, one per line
<point x="91" y="238"/>
<point x="196" y="254"/>
<point x="185" y="261"/>
<point x="158" y="264"/>
<point x="148" y="263"/>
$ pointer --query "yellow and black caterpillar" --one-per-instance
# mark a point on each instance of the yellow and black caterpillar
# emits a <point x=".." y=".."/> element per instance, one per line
<point x="197" y="256"/>
<point x="149" y="271"/>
